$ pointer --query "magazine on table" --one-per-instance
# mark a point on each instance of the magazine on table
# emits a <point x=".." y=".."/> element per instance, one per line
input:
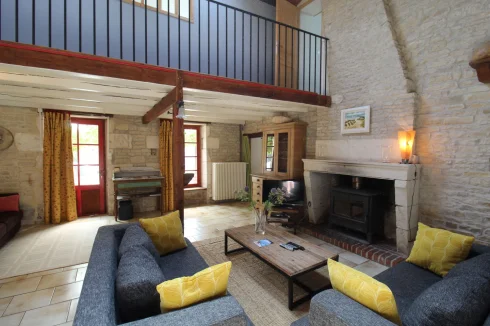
<point x="263" y="243"/>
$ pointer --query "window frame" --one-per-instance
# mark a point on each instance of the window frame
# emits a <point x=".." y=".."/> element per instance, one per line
<point x="165" y="12"/>
<point x="198" y="157"/>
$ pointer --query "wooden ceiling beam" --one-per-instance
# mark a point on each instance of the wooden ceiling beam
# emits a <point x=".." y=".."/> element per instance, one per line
<point x="41" y="57"/>
<point x="161" y="107"/>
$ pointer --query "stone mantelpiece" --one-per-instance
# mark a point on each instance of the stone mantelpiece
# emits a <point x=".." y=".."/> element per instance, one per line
<point x="318" y="181"/>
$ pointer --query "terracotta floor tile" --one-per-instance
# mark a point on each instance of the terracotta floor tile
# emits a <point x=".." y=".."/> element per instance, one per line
<point x="371" y="268"/>
<point x="73" y="309"/>
<point x="81" y="274"/>
<point x="19" y="287"/>
<point x="4" y="303"/>
<point x="11" y="279"/>
<point x="47" y="316"/>
<point x="51" y="271"/>
<point x="67" y="292"/>
<point x="69" y="268"/>
<point x="29" y="301"/>
<point x="12" y="320"/>
<point x="356" y="259"/>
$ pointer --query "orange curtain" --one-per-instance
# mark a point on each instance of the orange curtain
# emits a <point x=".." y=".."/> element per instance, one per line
<point x="60" y="203"/>
<point x="165" y="148"/>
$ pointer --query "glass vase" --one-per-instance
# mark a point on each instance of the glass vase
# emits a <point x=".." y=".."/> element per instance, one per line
<point x="260" y="220"/>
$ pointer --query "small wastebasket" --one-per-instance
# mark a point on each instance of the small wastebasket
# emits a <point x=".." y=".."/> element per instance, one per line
<point x="125" y="210"/>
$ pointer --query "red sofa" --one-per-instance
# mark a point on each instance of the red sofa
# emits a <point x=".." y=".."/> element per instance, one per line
<point x="9" y="223"/>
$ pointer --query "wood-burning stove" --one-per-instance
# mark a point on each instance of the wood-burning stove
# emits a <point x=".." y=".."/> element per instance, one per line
<point x="360" y="210"/>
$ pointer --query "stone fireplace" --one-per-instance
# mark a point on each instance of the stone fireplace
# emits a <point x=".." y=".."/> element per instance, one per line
<point x="318" y="183"/>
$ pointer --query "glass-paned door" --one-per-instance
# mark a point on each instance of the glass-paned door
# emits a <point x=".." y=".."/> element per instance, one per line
<point x="269" y="152"/>
<point x="282" y="152"/>
<point x="88" y="140"/>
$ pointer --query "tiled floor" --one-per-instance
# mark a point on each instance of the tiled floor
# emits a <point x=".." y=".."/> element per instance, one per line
<point x="50" y="297"/>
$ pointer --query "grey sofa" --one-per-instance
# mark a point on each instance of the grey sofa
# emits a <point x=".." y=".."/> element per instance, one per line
<point x="97" y="304"/>
<point x="423" y="298"/>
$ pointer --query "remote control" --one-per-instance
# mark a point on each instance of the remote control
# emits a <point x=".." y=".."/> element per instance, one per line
<point x="286" y="246"/>
<point x="296" y="245"/>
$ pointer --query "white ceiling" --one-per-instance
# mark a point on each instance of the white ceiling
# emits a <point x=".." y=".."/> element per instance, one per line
<point x="52" y="89"/>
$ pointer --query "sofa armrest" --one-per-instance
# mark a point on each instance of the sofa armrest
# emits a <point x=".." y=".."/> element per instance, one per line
<point x="221" y="311"/>
<point x="332" y="308"/>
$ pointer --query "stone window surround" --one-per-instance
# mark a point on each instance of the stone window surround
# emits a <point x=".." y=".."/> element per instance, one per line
<point x="406" y="176"/>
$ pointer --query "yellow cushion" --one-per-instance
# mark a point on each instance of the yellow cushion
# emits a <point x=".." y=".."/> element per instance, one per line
<point x="439" y="250"/>
<point x="364" y="289"/>
<point x="185" y="291"/>
<point x="165" y="232"/>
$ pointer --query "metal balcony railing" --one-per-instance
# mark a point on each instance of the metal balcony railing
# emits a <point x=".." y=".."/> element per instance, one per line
<point x="202" y="36"/>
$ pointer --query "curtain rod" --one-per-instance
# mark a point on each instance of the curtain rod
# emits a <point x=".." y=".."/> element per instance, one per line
<point x="89" y="114"/>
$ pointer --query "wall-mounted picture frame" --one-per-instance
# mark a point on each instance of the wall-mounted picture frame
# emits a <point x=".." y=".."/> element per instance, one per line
<point x="355" y="120"/>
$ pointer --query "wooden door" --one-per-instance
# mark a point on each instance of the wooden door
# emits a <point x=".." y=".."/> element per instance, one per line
<point x="88" y="141"/>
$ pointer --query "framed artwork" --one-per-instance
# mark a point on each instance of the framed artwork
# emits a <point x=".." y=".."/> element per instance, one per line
<point x="356" y="120"/>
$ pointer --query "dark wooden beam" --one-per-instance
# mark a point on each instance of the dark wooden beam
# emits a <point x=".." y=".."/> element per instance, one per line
<point x="41" y="57"/>
<point x="178" y="165"/>
<point x="161" y="107"/>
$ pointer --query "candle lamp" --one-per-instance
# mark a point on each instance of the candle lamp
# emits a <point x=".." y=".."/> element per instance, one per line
<point x="406" y="140"/>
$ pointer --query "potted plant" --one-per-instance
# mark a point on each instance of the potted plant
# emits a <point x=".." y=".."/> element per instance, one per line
<point x="262" y="211"/>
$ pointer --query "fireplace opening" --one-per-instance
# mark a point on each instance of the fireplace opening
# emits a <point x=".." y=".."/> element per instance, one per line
<point x="362" y="208"/>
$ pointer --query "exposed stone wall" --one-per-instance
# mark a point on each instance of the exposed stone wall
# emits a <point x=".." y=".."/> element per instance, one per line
<point x="453" y="113"/>
<point x="21" y="166"/>
<point x="130" y="145"/>
<point x="409" y="61"/>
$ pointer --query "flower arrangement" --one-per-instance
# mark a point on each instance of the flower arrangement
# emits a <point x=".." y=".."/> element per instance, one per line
<point x="276" y="197"/>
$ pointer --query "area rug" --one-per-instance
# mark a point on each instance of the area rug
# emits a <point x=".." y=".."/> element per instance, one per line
<point x="262" y="291"/>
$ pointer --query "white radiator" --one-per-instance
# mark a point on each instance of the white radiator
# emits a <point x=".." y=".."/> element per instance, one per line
<point x="227" y="179"/>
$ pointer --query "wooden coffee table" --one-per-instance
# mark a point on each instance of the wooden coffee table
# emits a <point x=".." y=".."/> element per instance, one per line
<point x="291" y="264"/>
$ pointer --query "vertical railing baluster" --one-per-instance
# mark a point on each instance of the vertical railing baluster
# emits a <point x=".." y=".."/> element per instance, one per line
<point x="250" y="37"/>
<point x="234" y="41"/>
<point x="158" y="32"/>
<point x="108" y="31"/>
<point x="279" y="56"/>
<point x="314" y="80"/>
<point x="17" y="21"/>
<point x="326" y="66"/>
<point x="321" y="71"/>
<point x="304" y="59"/>
<point x="94" y="16"/>
<point x="49" y="21"/>
<point x="199" y="34"/>
<point x="209" y="42"/>
<point x="64" y="27"/>
<point x="178" y="33"/>
<point x="189" y="40"/>
<point x="80" y="25"/>
<point x="146" y="31"/>
<point x="265" y="52"/>
<point x="297" y="61"/>
<point x="134" y="33"/>
<point x="309" y="63"/>
<point x="258" y="50"/>
<point x="243" y="45"/>
<point x="286" y="58"/>
<point x="292" y="57"/>
<point x="168" y="33"/>
<point x="273" y="48"/>
<point x="120" y="30"/>
<point x="33" y="22"/>
<point x="226" y="42"/>
<point x="217" y="40"/>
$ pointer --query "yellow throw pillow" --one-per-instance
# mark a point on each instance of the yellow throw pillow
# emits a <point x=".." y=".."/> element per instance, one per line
<point x="364" y="289"/>
<point x="439" y="250"/>
<point x="165" y="232"/>
<point x="185" y="291"/>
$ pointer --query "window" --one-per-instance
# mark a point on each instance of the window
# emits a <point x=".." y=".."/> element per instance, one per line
<point x="164" y="6"/>
<point x="192" y="149"/>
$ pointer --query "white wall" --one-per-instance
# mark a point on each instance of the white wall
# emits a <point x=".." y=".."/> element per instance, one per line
<point x="256" y="155"/>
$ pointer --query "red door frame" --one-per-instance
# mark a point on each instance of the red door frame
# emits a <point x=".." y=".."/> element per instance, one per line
<point x="102" y="172"/>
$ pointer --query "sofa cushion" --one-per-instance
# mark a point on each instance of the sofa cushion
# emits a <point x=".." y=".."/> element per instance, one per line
<point x="478" y="249"/>
<point x="185" y="262"/>
<point x="136" y="236"/>
<point x="3" y="230"/>
<point x="454" y="301"/>
<point x="182" y="292"/>
<point x="477" y="266"/>
<point x="9" y="203"/>
<point x="439" y="250"/>
<point x="10" y="221"/>
<point x="138" y="275"/>
<point x="407" y="281"/>
<point x="165" y="232"/>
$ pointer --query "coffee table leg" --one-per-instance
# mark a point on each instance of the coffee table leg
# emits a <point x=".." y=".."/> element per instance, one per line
<point x="290" y="293"/>
<point x="226" y="244"/>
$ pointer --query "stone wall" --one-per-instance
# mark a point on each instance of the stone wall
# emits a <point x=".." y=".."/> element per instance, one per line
<point x="131" y="144"/>
<point x="21" y="167"/>
<point x="409" y="60"/>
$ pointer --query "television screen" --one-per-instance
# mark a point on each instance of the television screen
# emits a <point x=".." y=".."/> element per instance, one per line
<point x="294" y="190"/>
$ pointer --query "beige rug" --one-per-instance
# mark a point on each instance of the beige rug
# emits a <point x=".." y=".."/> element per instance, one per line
<point x="260" y="289"/>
